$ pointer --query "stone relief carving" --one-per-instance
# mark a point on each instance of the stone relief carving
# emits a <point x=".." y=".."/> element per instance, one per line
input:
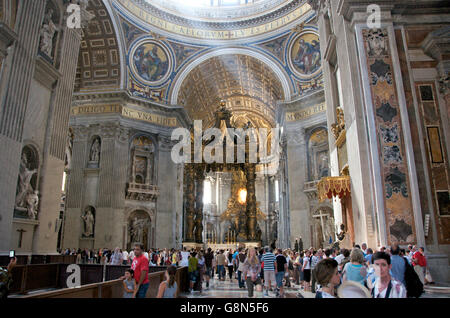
<point x="339" y="126"/>
<point x="88" y="222"/>
<point x="27" y="196"/>
<point x="32" y="204"/>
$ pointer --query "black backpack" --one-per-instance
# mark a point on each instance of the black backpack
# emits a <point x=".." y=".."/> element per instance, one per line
<point x="414" y="287"/>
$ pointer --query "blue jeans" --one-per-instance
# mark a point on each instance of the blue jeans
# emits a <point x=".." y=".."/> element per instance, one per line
<point x="142" y="291"/>
<point x="241" y="282"/>
<point x="221" y="270"/>
<point x="279" y="278"/>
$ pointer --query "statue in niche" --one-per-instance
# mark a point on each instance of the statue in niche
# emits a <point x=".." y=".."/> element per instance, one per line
<point x="24" y="187"/>
<point x="32" y="204"/>
<point x="137" y="230"/>
<point x="323" y="168"/>
<point x="95" y="151"/>
<point x="89" y="222"/>
<point x="329" y="230"/>
<point x="47" y="33"/>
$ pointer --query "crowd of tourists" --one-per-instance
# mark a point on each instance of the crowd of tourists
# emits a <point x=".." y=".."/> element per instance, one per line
<point x="386" y="272"/>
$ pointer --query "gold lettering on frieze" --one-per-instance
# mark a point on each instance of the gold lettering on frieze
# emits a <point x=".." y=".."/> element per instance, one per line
<point x="125" y="112"/>
<point x="150" y="118"/>
<point x="306" y="113"/>
<point x="95" y="109"/>
<point x="213" y="34"/>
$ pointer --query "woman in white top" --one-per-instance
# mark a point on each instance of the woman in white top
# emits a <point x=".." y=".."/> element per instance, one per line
<point x="306" y="269"/>
<point x="385" y="286"/>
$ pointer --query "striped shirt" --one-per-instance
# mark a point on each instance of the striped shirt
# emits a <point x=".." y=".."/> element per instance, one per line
<point x="269" y="261"/>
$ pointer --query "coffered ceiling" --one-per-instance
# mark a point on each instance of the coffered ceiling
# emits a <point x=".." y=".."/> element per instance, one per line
<point x="250" y="88"/>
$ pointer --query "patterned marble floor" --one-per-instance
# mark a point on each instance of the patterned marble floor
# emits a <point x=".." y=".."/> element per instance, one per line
<point x="230" y="289"/>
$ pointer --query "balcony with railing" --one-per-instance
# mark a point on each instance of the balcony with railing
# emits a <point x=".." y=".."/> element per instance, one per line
<point x="142" y="192"/>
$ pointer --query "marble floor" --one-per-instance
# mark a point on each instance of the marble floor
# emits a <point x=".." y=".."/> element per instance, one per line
<point x="230" y="289"/>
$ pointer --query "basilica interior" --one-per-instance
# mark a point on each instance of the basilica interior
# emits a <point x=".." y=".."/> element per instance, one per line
<point x="358" y="102"/>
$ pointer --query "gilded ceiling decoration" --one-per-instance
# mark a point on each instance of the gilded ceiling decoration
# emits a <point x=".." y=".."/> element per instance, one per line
<point x="248" y="86"/>
<point x="216" y="25"/>
<point x="99" y="59"/>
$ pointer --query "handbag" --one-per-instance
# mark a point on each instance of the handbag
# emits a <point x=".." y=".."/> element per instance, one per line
<point x="428" y="277"/>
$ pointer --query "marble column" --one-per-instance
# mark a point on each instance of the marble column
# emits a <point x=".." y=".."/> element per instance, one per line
<point x="45" y="239"/>
<point x="189" y="202"/>
<point x="19" y="68"/>
<point x="250" y="175"/>
<point x="199" y="179"/>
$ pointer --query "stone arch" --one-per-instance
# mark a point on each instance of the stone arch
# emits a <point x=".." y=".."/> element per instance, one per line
<point x="100" y="66"/>
<point x="140" y="227"/>
<point x="282" y="76"/>
<point x="27" y="183"/>
<point x="317" y="153"/>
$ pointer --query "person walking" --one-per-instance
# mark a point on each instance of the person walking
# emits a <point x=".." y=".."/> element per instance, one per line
<point x="306" y="269"/>
<point x="209" y="256"/>
<point x="269" y="260"/>
<point x="221" y="263"/>
<point x="251" y="271"/>
<point x="241" y="257"/>
<point x="280" y="269"/>
<point x="193" y="271"/>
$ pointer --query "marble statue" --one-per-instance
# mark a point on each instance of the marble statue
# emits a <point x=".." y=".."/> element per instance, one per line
<point x="32" y="204"/>
<point x="25" y="187"/>
<point x="137" y="230"/>
<point x="89" y="221"/>
<point x="95" y="151"/>
<point x="47" y="33"/>
<point x="329" y="229"/>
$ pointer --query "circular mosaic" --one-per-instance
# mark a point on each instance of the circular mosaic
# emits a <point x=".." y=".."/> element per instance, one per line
<point x="150" y="62"/>
<point x="305" y="59"/>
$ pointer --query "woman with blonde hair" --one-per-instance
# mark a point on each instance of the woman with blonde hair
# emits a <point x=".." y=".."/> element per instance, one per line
<point x="355" y="270"/>
<point x="252" y="269"/>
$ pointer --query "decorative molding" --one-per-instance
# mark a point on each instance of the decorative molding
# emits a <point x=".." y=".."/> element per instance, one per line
<point x="7" y="38"/>
<point x="45" y="72"/>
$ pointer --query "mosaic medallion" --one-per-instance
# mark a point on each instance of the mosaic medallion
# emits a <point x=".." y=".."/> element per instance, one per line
<point x="305" y="59"/>
<point x="150" y="62"/>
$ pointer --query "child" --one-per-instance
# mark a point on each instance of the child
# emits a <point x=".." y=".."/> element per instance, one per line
<point x="129" y="284"/>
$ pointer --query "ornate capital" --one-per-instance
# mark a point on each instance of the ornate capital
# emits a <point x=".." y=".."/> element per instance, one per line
<point x="165" y="143"/>
<point x="80" y="132"/>
<point x="320" y="6"/>
<point x="295" y="137"/>
<point x="444" y="85"/>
